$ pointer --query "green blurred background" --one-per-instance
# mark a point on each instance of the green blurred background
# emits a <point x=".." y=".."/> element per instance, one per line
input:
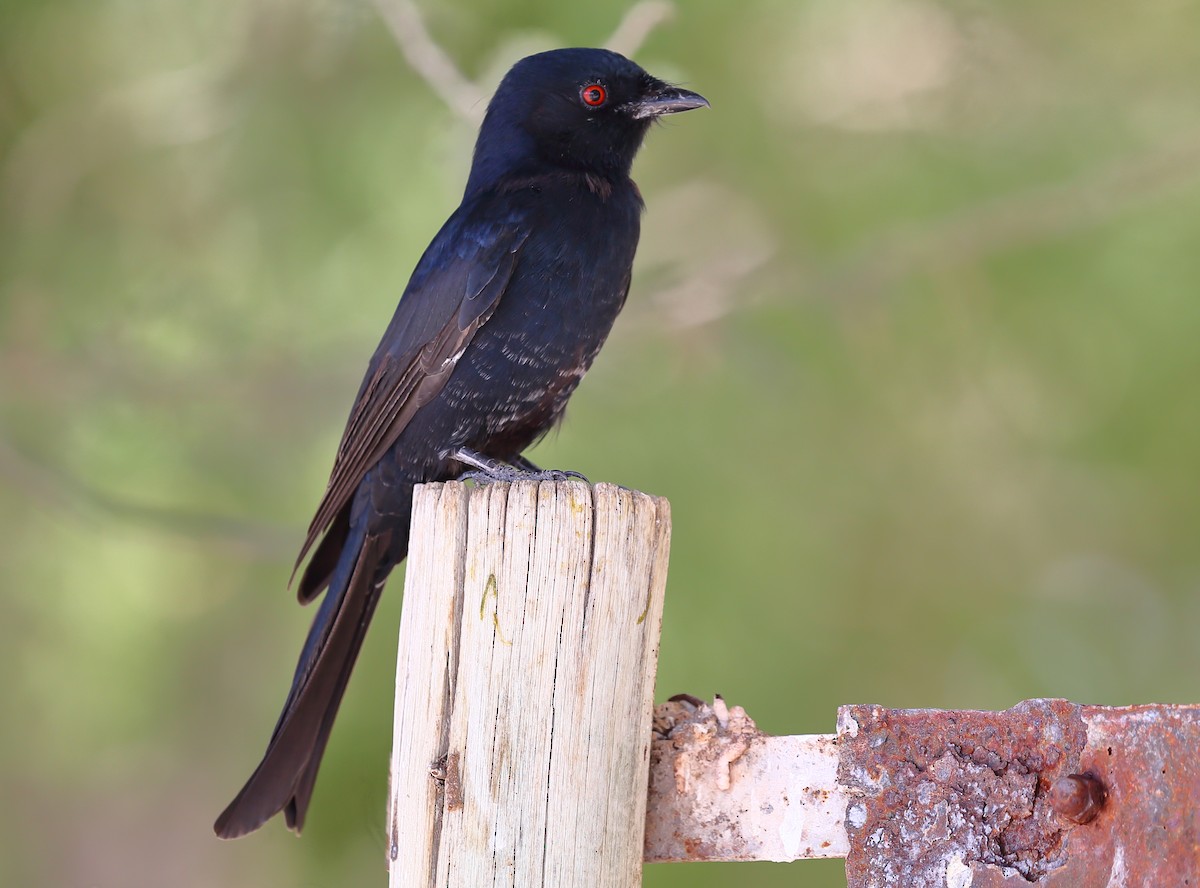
<point x="913" y="349"/>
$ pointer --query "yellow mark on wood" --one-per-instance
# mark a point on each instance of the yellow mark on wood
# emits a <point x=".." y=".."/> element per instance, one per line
<point x="642" y="617"/>
<point x="492" y="588"/>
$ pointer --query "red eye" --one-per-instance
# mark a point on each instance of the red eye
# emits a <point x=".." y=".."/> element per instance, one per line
<point x="594" y="95"/>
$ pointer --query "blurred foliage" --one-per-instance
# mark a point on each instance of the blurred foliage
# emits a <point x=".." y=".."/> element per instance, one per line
<point x="912" y="349"/>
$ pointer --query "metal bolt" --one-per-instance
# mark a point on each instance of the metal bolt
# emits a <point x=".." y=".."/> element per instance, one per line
<point x="1078" y="797"/>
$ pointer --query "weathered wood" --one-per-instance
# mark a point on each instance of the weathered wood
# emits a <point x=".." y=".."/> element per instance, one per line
<point x="525" y="678"/>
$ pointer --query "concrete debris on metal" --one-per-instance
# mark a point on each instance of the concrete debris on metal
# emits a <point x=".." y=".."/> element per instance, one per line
<point x="720" y="789"/>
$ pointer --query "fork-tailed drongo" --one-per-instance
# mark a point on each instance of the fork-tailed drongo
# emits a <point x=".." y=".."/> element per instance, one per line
<point x="501" y="319"/>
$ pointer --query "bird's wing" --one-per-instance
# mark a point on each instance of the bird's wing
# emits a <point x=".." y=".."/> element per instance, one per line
<point x="454" y="290"/>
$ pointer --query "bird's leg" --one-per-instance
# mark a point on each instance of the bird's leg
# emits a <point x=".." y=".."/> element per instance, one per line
<point x="485" y="470"/>
<point x="480" y="464"/>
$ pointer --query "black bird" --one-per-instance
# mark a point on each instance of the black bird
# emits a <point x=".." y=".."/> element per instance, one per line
<point x="503" y="315"/>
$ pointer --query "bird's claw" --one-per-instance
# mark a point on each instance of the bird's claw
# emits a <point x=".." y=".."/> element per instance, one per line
<point x="485" y="470"/>
<point x="510" y="474"/>
<point x="560" y="475"/>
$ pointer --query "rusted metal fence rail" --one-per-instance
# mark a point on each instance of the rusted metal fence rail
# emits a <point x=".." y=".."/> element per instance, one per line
<point x="1048" y="793"/>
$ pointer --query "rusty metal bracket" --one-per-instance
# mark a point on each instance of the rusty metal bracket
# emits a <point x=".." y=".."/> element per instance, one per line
<point x="1048" y="793"/>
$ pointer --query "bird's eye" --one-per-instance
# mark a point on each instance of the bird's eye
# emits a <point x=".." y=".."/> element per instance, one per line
<point x="593" y="95"/>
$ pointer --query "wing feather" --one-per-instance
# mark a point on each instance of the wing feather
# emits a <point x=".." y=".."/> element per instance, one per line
<point x="454" y="291"/>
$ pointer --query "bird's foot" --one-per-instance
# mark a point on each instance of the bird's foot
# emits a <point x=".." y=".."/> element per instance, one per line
<point x="511" y="473"/>
<point x="485" y="470"/>
<point x="538" y="474"/>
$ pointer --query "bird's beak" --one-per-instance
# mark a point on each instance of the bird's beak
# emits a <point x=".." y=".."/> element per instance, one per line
<point x="668" y="100"/>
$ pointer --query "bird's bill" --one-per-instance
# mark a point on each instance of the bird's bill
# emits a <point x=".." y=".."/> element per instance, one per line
<point x="668" y="100"/>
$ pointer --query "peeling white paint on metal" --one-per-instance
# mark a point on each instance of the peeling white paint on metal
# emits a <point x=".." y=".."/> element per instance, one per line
<point x="846" y="724"/>
<point x="779" y="799"/>
<point x="1116" y="878"/>
<point x="958" y="874"/>
<point x="857" y="815"/>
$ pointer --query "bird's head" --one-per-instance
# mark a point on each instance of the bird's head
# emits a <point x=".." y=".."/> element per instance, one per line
<point x="585" y="110"/>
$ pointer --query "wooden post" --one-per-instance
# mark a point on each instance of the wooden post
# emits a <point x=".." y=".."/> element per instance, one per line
<point x="524" y="686"/>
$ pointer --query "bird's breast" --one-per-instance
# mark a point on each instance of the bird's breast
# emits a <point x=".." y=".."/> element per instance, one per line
<point x="514" y="380"/>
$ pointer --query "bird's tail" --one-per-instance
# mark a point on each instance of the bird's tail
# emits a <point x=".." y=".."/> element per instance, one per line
<point x="284" y="779"/>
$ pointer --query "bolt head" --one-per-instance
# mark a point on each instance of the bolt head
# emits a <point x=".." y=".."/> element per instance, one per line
<point x="1078" y="797"/>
